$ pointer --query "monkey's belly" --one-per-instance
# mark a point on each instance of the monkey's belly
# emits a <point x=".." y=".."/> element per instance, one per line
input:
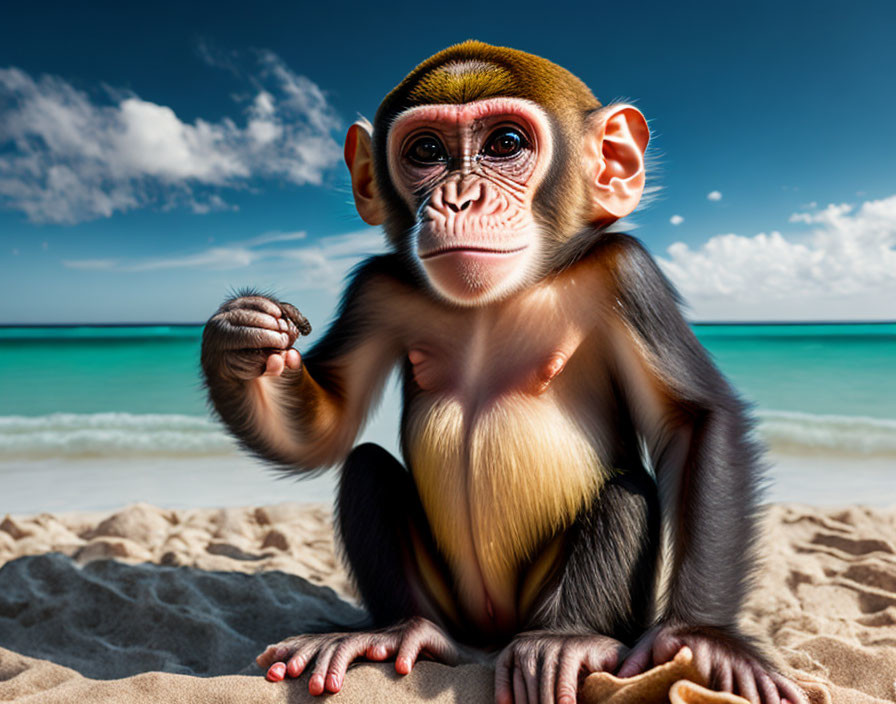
<point x="496" y="484"/>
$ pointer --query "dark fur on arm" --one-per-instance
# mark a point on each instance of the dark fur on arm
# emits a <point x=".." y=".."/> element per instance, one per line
<point x="712" y="495"/>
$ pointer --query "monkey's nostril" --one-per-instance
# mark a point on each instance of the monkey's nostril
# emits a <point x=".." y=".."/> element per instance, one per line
<point x="456" y="208"/>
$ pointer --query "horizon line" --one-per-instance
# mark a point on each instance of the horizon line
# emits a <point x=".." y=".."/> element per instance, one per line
<point x="689" y="322"/>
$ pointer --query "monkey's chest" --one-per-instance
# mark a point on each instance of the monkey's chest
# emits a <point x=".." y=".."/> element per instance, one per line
<point x="501" y="468"/>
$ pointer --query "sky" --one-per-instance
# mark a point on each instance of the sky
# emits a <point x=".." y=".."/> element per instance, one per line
<point x="155" y="156"/>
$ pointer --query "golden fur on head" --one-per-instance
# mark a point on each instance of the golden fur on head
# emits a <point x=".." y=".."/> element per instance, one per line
<point x="474" y="70"/>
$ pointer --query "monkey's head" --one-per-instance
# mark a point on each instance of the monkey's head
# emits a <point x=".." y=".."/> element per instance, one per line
<point x="486" y="164"/>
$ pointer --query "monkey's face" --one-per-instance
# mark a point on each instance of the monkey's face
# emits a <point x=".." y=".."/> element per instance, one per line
<point x="470" y="173"/>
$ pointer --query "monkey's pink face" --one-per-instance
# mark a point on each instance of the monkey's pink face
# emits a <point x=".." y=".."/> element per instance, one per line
<point x="470" y="173"/>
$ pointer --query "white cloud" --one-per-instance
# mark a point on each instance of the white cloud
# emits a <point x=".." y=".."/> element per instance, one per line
<point x="322" y="264"/>
<point x="714" y="195"/>
<point x="92" y="264"/>
<point x="66" y="158"/>
<point x="676" y="220"/>
<point x="845" y="268"/>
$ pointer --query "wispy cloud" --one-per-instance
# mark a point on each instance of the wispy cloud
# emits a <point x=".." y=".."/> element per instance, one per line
<point x="322" y="263"/>
<point x="846" y="267"/>
<point x="714" y="195"/>
<point x="676" y="220"/>
<point x="66" y="158"/>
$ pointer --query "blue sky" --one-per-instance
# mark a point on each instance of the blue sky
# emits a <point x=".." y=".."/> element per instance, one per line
<point x="154" y="156"/>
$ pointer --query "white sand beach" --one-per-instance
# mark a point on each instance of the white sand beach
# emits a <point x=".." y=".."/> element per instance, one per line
<point x="158" y="605"/>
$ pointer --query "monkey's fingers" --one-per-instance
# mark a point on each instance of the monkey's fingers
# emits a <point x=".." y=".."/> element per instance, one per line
<point x="271" y="654"/>
<point x="349" y="650"/>
<point x="746" y="683"/>
<point x="584" y="657"/>
<point x="276" y="672"/>
<point x="234" y="336"/>
<point x="259" y="303"/>
<point x="422" y="636"/>
<point x="638" y="660"/>
<point x="303" y="655"/>
<point x="296" y="318"/>
<point x="277" y="362"/>
<point x="503" y="677"/>
<point x="791" y="693"/>
<point x="549" y="664"/>
<point x="520" y="696"/>
<point x="248" y="318"/>
<point x="525" y="664"/>
<point x="317" y="683"/>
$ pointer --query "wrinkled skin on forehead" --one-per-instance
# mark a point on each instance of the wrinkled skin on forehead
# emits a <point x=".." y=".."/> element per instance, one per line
<point x="471" y="72"/>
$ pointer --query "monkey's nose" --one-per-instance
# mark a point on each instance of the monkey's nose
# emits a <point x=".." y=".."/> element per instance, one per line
<point x="457" y="208"/>
<point x="460" y="196"/>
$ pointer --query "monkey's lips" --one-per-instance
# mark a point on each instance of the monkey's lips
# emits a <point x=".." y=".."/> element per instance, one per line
<point x="474" y="251"/>
<point x="467" y="274"/>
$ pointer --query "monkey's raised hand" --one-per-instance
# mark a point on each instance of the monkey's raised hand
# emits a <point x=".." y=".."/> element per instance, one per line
<point x="252" y="335"/>
<point x="540" y="667"/>
<point x="332" y="653"/>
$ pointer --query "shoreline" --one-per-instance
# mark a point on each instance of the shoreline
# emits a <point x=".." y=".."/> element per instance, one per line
<point x="30" y="486"/>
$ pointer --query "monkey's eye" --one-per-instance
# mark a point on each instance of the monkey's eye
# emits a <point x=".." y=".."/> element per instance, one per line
<point x="505" y="142"/>
<point x="426" y="150"/>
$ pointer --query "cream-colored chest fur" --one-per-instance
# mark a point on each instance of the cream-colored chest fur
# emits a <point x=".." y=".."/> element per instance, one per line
<point x="503" y="453"/>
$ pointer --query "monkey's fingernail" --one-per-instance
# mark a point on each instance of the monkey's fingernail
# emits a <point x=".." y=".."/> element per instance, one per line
<point x="333" y="683"/>
<point x="316" y="684"/>
<point x="284" y="326"/>
<point x="276" y="671"/>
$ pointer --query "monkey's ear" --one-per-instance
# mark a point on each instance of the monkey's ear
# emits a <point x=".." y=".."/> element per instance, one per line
<point x="359" y="159"/>
<point x="615" y="140"/>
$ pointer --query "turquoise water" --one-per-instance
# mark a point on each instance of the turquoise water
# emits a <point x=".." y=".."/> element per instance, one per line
<point x="98" y="390"/>
<point x="820" y="369"/>
<point x="98" y="369"/>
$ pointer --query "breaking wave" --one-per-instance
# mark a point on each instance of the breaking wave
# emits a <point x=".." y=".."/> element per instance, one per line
<point x="806" y="432"/>
<point x="111" y="434"/>
<point x="173" y="435"/>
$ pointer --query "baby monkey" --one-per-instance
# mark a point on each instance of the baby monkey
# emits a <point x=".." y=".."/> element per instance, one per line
<point x="559" y="416"/>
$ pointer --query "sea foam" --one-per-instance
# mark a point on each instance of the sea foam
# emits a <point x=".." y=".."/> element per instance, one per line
<point x="791" y="431"/>
<point x="175" y="435"/>
<point x="111" y="434"/>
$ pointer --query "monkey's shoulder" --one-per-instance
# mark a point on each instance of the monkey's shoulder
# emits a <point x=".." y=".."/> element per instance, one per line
<point x="381" y="270"/>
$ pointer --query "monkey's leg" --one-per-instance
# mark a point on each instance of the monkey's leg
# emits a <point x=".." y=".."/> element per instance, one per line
<point x="599" y="601"/>
<point x="607" y="582"/>
<point x="387" y="540"/>
<point x="387" y="543"/>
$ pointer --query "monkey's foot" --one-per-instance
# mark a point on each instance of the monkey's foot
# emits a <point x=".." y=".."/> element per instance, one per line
<point x="726" y="662"/>
<point x="540" y="666"/>
<point x="332" y="653"/>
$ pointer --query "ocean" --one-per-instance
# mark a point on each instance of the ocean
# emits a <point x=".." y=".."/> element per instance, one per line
<point x="96" y="417"/>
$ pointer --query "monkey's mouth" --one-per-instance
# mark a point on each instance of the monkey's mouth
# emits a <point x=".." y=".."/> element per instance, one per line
<point x="462" y="249"/>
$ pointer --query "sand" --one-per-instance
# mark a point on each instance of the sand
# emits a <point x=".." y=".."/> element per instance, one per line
<point x="155" y="605"/>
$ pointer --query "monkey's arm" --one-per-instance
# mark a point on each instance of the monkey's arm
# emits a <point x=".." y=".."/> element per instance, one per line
<point x="707" y="468"/>
<point x="697" y="435"/>
<point x="308" y="416"/>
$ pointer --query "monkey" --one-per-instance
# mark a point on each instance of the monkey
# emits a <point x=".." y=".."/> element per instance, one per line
<point x="578" y="487"/>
